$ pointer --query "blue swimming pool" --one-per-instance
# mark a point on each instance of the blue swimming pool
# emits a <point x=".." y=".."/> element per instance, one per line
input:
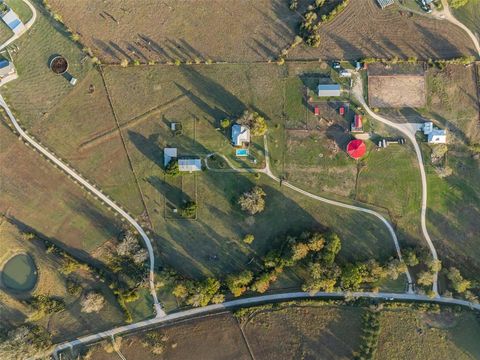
<point x="241" y="152"/>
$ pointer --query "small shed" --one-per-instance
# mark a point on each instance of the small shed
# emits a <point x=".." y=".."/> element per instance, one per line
<point x="437" y="136"/>
<point x="384" y="3"/>
<point x="240" y="135"/>
<point x="6" y="68"/>
<point x="357" y="125"/>
<point x="169" y="154"/>
<point x="328" y="90"/>
<point x="13" y="21"/>
<point x="190" y="165"/>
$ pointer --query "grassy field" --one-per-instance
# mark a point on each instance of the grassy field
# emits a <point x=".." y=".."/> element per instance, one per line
<point x="406" y="334"/>
<point x="454" y="201"/>
<point x="469" y="14"/>
<point x="253" y="31"/>
<point x="304" y="333"/>
<point x="71" y="321"/>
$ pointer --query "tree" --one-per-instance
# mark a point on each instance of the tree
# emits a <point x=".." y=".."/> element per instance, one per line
<point x="92" y="302"/>
<point x="410" y="257"/>
<point x="434" y="265"/>
<point x="124" y="63"/>
<point x="253" y="201"/>
<point x="459" y="284"/>
<point x="457" y="3"/>
<point x="225" y="123"/>
<point x="299" y="251"/>
<point x="321" y="278"/>
<point x="255" y="122"/>
<point x="203" y="292"/>
<point x="189" y="209"/>
<point x="172" y="168"/>
<point x="332" y="248"/>
<point x="394" y="268"/>
<point x="353" y="275"/>
<point x="425" y="278"/>
<point x="238" y="284"/>
<point x="248" y="239"/>
<point x="180" y="291"/>
<point x="316" y="242"/>
<point x="262" y="283"/>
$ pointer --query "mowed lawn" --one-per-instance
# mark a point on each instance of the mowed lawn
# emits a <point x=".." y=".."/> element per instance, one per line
<point x="406" y="334"/>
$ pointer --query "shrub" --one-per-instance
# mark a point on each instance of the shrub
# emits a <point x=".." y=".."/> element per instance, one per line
<point x="73" y="286"/>
<point x="225" y="123"/>
<point x="189" y="209"/>
<point x="136" y="62"/>
<point x="172" y="168"/>
<point x="248" y="239"/>
<point x="124" y="63"/>
<point x="92" y="302"/>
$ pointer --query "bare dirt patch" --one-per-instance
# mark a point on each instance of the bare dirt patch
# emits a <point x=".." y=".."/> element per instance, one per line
<point x="305" y="333"/>
<point x="396" y="91"/>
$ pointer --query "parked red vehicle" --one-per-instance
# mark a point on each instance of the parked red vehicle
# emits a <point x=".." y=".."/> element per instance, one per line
<point x="316" y="110"/>
<point x="341" y="110"/>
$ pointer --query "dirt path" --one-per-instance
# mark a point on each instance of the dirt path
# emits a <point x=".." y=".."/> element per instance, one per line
<point x="446" y="14"/>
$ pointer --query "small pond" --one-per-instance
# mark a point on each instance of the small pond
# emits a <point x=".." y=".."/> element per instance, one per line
<point x="19" y="273"/>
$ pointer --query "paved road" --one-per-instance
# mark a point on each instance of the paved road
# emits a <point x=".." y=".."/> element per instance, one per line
<point x="409" y="131"/>
<point x="27" y="25"/>
<point x="171" y="318"/>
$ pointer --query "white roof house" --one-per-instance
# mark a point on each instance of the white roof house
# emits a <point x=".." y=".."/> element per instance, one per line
<point x="189" y="165"/>
<point x="13" y="21"/>
<point x="240" y="135"/>
<point x="169" y="154"/>
<point x="327" y="90"/>
<point x="437" y="136"/>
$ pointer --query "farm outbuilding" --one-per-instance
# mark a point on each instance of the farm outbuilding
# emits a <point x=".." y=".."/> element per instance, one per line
<point x="13" y="21"/>
<point x="328" y="90"/>
<point x="356" y="149"/>
<point x="384" y="3"/>
<point x="169" y="154"/>
<point x="357" y="125"/>
<point x="6" y="68"/>
<point x="190" y="165"/>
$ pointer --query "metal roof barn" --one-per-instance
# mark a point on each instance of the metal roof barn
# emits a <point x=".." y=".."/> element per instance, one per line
<point x="327" y="90"/>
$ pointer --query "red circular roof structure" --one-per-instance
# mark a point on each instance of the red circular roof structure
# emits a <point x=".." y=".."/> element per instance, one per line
<point x="356" y="149"/>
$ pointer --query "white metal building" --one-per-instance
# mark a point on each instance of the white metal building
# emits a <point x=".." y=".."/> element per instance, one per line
<point x="437" y="136"/>
<point x="189" y="165"/>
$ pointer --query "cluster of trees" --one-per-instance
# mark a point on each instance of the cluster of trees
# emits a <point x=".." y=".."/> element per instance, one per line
<point x="253" y="201"/>
<point x="310" y="25"/>
<point x="45" y="305"/>
<point x="24" y="342"/>
<point x="371" y="331"/>
<point x="124" y="272"/>
<point x="440" y="63"/>
<point x="129" y="247"/>
<point x="199" y="293"/>
<point x="254" y="121"/>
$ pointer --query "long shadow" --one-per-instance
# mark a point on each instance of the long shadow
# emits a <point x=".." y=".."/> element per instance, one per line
<point x="147" y="146"/>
